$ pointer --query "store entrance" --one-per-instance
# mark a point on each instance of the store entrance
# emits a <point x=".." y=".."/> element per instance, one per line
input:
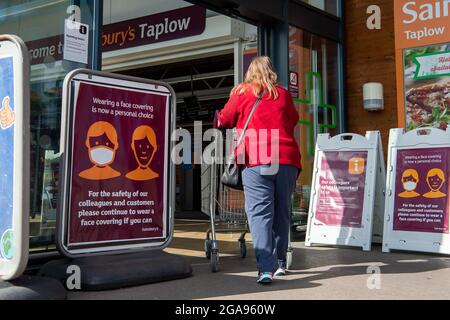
<point x="202" y="86"/>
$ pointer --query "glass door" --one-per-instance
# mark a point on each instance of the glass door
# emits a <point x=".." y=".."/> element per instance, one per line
<point x="314" y="84"/>
<point x="41" y="24"/>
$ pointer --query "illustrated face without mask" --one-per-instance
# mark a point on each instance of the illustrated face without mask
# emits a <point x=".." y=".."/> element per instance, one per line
<point x="101" y="150"/>
<point x="435" y="182"/>
<point x="409" y="183"/>
<point x="144" y="151"/>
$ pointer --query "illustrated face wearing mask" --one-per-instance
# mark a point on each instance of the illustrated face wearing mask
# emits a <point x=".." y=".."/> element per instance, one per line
<point x="435" y="182"/>
<point x="102" y="150"/>
<point x="409" y="183"/>
<point x="144" y="151"/>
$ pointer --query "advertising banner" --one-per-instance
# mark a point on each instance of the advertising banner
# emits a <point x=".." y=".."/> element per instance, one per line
<point x="7" y="165"/>
<point x="119" y="178"/>
<point x="422" y="37"/>
<point x="164" y="26"/>
<point x="349" y="168"/>
<point x="417" y="208"/>
<point x="14" y="172"/>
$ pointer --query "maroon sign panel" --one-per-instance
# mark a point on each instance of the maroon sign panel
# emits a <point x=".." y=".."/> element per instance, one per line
<point x="249" y="55"/>
<point x="118" y="165"/>
<point x="46" y="50"/>
<point x="342" y="181"/>
<point x="421" y="190"/>
<point x="170" y="25"/>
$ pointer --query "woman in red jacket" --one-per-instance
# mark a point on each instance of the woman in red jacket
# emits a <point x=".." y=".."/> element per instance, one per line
<point x="271" y="160"/>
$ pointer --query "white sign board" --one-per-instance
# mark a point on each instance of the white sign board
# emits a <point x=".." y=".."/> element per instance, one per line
<point x="14" y="166"/>
<point x="380" y="193"/>
<point x="76" y="42"/>
<point x="344" y="185"/>
<point x="417" y="189"/>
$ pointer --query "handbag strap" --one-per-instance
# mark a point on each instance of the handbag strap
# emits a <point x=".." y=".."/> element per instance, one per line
<point x="250" y="118"/>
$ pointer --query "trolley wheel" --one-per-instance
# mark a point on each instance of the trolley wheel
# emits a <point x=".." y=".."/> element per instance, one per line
<point x="289" y="257"/>
<point x="243" y="248"/>
<point x="215" y="261"/>
<point x="208" y="248"/>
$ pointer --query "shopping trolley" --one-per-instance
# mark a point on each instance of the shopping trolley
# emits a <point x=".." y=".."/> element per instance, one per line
<point x="226" y="208"/>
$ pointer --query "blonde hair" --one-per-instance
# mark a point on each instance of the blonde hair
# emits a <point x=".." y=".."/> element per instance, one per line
<point x="411" y="172"/>
<point x="143" y="132"/>
<point x="260" y="76"/>
<point x="436" y="172"/>
<point x="99" y="128"/>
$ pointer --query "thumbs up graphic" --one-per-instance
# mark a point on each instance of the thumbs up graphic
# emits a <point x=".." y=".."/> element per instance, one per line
<point x="7" y="116"/>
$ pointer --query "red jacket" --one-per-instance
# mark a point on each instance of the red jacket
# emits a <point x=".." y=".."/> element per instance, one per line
<point x="270" y="114"/>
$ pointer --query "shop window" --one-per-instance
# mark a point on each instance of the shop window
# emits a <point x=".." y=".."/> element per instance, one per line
<point x="314" y="83"/>
<point x="40" y="23"/>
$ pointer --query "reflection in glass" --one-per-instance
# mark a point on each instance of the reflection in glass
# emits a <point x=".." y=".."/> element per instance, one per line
<point x="40" y="23"/>
<point x="314" y="83"/>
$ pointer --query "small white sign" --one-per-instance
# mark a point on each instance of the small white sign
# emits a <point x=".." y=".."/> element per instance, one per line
<point x="76" y="41"/>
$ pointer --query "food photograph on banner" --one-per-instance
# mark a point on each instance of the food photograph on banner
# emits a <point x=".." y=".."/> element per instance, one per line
<point x="118" y="182"/>
<point x="427" y="85"/>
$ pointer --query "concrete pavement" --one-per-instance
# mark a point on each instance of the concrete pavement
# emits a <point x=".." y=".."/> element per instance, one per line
<point x="317" y="273"/>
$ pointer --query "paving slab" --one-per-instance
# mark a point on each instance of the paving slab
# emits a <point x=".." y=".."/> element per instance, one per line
<point x="317" y="273"/>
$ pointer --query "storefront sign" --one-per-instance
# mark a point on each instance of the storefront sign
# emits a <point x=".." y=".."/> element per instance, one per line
<point x="170" y="25"/>
<point x="349" y="167"/>
<point x="422" y="36"/>
<point x="417" y="209"/>
<point x="176" y="24"/>
<point x="46" y="50"/>
<point x="117" y="179"/>
<point x="14" y="171"/>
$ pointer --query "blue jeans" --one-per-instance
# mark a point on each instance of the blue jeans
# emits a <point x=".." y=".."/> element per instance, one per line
<point x="268" y="207"/>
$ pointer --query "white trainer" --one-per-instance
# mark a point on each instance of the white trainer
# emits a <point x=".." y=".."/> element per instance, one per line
<point x="280" y="272"/>
<point x="265" y="278"/>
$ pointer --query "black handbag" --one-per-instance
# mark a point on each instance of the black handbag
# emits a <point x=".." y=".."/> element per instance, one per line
<point x="232" y="173"/>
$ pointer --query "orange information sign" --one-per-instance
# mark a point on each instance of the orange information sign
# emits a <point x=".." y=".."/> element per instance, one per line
<point x="422" y="39"/>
